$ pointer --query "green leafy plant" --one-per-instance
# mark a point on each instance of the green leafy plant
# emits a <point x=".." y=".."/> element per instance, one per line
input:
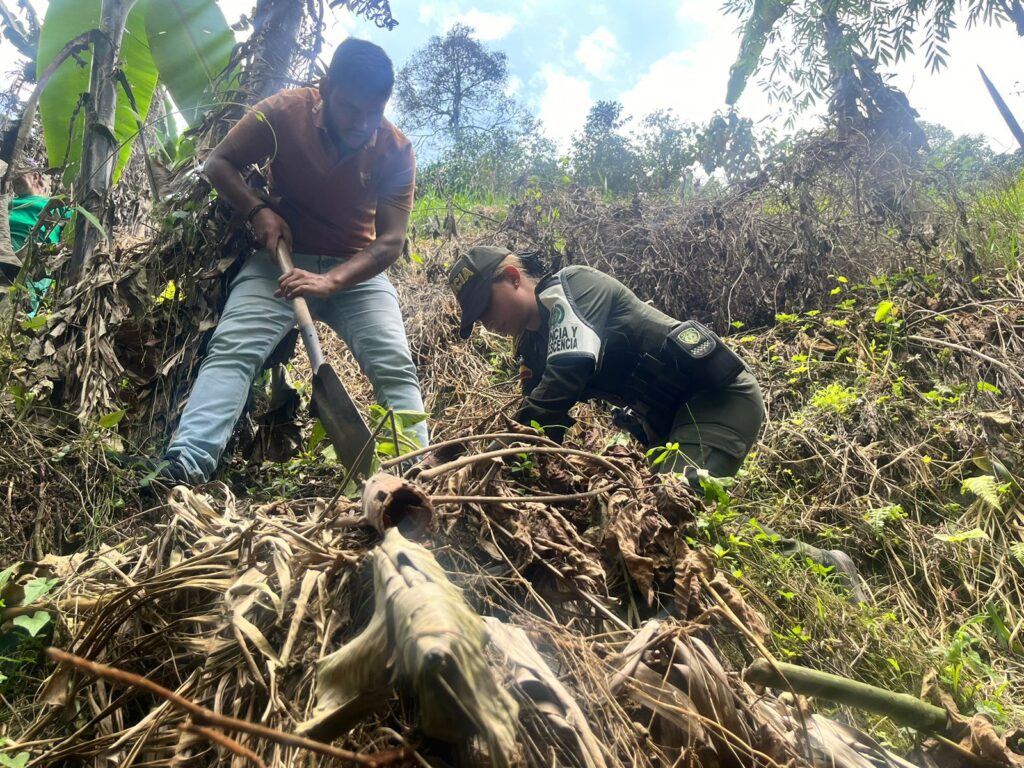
<point x="886" y="312"/>
<point x="879" y="517"/>
<point x="523" y="467"/>
<point x="191" y="44"/>
<point x="19" y="760"/>
<point x="835" y="398"/>
<point x="22" y="642"/>
<point x="659" y="454"/>
<point x="395" y="437"/>
<point x="185" y="43"/>
<point x="965" y="670"/>
<point x="986" y="489"/>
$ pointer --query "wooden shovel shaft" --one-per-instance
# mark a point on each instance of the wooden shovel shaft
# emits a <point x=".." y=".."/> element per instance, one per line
<point x="305" y="320"/>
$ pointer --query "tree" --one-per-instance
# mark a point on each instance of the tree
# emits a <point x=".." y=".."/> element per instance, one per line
<point x="834" y="48"/>
<point x="99" y="151"/>
<point x="454" y="86"/>
<point x="666" y="148"/>
<point x="487" y="165"/>
<point x="601" y="155"/>
<point x="728" y="143"/>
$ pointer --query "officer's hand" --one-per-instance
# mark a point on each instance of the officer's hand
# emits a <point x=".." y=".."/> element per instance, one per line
<point x="299" y="282"/>
<point x="268" y="228"/>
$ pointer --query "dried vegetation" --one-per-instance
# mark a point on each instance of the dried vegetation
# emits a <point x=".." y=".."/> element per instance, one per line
<point x="881" y="310"/>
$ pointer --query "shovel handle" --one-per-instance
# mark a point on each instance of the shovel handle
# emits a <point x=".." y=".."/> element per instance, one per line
<point x="302" y="316"/>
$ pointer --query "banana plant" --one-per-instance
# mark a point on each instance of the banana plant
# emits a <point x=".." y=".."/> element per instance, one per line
<point x="186" y="44"/>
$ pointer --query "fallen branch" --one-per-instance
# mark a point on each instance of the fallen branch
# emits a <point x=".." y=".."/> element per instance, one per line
<point x="204" y="716"/>
<point x="451" y="466"/>
<point x="553" y="499"/>
<point x="425" y="639"/>
<point x="901" y="708"/>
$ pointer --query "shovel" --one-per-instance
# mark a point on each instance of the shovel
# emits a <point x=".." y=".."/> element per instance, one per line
<point x="342" y="421"/>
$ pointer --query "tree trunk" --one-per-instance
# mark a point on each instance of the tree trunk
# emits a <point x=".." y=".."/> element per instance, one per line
<point x="274" y="44"/>
<point x="1015" y="10"/>
<point x="99" y="152"/>
<point x="843" y="102"/>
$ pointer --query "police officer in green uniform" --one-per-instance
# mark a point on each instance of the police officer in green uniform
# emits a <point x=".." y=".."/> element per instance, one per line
<point x="583" y="335"/>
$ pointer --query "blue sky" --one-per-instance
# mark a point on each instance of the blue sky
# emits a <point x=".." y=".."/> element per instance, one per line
<point x="565" y="54"/>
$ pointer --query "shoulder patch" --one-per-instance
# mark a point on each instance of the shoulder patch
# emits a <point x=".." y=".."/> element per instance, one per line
<point x="568" y="334"/>
<point x="695" y="339"/>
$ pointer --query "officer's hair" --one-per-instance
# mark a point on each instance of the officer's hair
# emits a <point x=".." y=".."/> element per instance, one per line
<point x="364" y="65"/>
<point x="528" y="262"/>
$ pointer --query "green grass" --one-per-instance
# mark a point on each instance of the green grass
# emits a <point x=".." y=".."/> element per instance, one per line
<point x="430" y="205"/>
<point x="1000" y="213"/>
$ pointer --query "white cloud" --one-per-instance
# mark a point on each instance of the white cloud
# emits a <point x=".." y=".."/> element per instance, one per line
<point x="488" y="26"/>
<point x="429" y="12"/>
<point x="692" y="82"/>
<point x="514" y="86"/>
<point x="564" y="104"/>
<point x="700" y="13"/>
<point x="598" y="51"/>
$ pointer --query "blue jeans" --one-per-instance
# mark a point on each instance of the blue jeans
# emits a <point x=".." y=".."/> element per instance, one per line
<point x="366" y="316"/>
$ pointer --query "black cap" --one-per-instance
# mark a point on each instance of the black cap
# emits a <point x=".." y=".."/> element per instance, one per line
<point x="470" y="278"/>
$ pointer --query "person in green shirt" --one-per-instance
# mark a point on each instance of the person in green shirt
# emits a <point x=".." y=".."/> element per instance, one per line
<point x="583" y="335"/>
<point x="29" y="202"/>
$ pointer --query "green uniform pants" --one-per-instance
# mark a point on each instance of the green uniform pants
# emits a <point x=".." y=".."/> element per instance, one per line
<point x="716" y="430"/>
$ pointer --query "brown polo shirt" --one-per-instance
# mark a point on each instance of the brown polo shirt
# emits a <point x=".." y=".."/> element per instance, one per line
<point x="328" y="199"/>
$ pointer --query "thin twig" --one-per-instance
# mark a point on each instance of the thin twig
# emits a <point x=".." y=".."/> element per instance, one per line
<point x="468" y="439"/>
<point x="518" y="499"/>
<point x="429" y="474"/>
<point x="205" y="716"/>
<point x="969" y="351"/>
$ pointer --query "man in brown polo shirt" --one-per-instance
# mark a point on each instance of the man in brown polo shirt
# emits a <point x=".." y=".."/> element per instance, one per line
<point x="345" y="178"/>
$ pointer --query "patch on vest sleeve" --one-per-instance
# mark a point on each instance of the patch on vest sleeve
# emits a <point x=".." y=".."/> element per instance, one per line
<point x="568" y="334"/>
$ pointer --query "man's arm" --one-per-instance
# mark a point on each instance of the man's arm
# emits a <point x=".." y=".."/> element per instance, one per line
<point x="250" y="141"/>
<point x="391" y="224"/>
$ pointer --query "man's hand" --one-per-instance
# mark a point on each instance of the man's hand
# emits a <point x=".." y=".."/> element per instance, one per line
<point x="299" y="282"/>
<point x="268" y="228"/>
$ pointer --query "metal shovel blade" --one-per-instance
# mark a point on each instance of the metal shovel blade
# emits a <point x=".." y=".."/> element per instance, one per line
<point x="342" y="421"/>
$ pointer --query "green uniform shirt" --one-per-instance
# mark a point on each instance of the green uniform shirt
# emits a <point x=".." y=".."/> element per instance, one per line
<point x="24" y="213"/>
<point x="593" y="335"/>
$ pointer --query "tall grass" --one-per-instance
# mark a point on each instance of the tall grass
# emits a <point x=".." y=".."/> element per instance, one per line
<point x="431" y="206"/>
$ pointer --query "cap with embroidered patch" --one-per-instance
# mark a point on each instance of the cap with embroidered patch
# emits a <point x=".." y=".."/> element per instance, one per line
<point x="470" y="279"/>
